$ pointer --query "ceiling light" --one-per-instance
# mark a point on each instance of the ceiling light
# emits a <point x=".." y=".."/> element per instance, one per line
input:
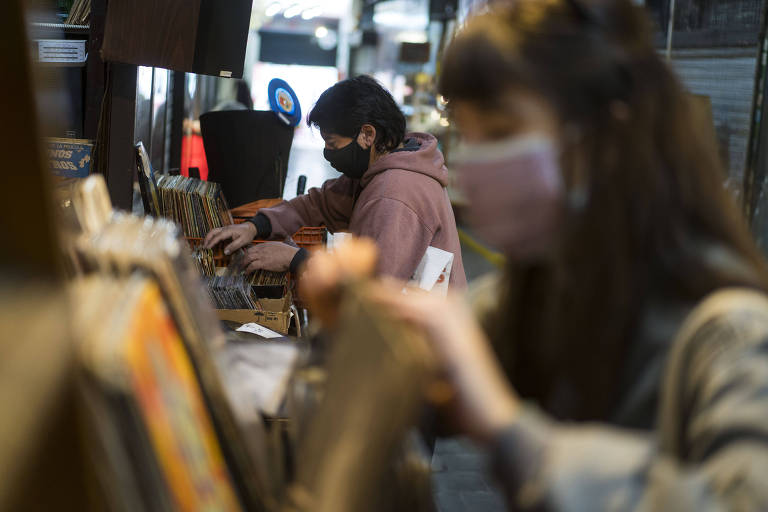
<point x="411" y="36"/>
<point x="401" y="14"/>
<point x="293" y="11"/>
<point x="273" y="9"/>
<point x="327" y="39"/>
<point x="314" y="12"/>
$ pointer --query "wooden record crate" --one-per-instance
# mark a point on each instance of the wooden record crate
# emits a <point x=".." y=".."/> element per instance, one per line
<point x="311" y="238"/>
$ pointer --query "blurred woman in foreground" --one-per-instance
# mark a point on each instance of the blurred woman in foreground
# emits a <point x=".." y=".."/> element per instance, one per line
<point x="635" y="298"/>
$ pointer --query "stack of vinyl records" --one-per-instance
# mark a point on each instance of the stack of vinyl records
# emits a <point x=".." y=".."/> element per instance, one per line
<point x="80" y="13"/>
<point x="354" y="431"/>
<point x="204" y="261"/>
<point x="231" y="292"/>
<point x="142" y="393"/>
<point x="197" y="206"/>
<point x="240" y="291"/>
<point x="164" y="432"/>
<point x="147" y="182"/>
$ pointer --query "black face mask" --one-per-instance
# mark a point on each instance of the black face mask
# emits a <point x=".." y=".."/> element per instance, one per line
<point x="351" y="160"/>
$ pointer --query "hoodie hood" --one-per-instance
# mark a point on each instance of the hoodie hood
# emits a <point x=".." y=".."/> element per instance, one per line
<point x="427" y="160"/>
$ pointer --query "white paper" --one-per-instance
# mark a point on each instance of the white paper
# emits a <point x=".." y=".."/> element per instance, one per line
<point x="259" y="330"/>
<point x="257" y="374"/>
<point x="336" y="239"/>
<point x="434" y="271"/>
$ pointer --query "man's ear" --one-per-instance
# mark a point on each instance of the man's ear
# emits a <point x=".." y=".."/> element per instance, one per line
<point x="367" y="136"/>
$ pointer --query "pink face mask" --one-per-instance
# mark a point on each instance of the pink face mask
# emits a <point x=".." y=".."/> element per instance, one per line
<point x="515" y="193"/>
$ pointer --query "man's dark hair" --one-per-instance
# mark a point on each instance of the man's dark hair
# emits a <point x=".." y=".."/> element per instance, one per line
<point x="344" y="108"/>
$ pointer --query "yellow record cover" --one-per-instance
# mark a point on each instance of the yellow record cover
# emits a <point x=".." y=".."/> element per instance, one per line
<point x="169" y="397"/>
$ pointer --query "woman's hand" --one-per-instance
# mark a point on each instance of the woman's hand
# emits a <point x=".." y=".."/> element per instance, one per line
<point x="240" y="234"/>
<point x="485" y="401"/>
<point x="326" y="272"/>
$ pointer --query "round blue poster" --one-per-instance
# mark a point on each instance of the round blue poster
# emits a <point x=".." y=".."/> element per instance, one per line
<point x="284" y="102"/>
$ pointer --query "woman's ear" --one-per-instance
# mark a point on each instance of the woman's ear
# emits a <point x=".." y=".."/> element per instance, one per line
<point x="367" y="136"/>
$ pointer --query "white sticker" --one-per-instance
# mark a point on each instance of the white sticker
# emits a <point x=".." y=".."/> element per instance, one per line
<point x="259" y="330"/>
<point x="225" y="74"/>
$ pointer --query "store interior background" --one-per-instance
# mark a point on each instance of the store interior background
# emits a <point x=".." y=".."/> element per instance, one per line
<point x="717" y="47"/>
<point x="312" y="44"/>
<point x="714" y="46"/>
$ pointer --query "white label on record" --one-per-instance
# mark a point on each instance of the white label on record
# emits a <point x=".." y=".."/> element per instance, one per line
<point x="259" y="330"/>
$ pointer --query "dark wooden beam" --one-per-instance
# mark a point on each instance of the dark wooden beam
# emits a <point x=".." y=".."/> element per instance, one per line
<point x="178" y="96"/>
<point x="111" y="113"/>
<point x="121" y="164"/>
<point x="95" y="70"/>
<point x="29" y="242"/>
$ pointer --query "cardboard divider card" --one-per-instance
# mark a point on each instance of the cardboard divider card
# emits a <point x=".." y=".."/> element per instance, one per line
<point x="259" y="330"/>
<point x="434" y="271"/>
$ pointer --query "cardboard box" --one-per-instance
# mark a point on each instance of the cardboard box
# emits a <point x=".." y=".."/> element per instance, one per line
<point x="275" y="314"/>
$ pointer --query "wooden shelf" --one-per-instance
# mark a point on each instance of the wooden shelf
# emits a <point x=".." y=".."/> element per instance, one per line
<point x="70" y="30"/>
<point x="61" y="64"/>
<point x="63" y="26"/>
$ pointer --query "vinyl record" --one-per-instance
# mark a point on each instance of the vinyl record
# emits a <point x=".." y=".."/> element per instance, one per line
<point x="284" y="102"/>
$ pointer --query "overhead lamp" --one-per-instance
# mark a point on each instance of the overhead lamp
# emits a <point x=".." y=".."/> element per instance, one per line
<point x="404" y="15"/>
<point x="313" y="12"/>
<point x="411" y="36"/>
<point x="327" y="39"/>
<point x="293" y="11"/>
<point x="273" y="9"/>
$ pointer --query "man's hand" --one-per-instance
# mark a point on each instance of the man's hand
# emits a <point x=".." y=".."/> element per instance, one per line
<point x="272" y="256"/>
<point x="240" y="234"/>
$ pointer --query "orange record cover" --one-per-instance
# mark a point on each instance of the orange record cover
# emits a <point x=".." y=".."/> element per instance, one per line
<point x="170" y="400"/>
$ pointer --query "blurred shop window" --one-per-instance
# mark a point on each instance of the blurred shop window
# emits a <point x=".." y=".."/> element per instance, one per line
<point x="201" y="95"/>
<point x="308" y="82"/>
<point x="297" y="48"/>
<point x="152" y="100"/>
<point x="152" y="113"/>
<point x="705" y="23"/>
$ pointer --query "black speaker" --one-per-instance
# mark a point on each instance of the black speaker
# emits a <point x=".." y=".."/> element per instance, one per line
<point x="199" y="36"/>
<point x="247" y="153"/>
<point x="414" y="52"/>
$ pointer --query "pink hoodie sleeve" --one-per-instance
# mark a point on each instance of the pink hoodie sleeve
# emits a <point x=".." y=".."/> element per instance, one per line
<point x="398" y="231"/>
<point x="330" y="205"/>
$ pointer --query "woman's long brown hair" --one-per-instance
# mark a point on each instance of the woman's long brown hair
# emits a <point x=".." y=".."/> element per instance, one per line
<point x="646" y="200"/>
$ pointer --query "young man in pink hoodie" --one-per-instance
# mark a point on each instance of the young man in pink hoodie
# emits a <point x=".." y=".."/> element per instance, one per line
<point x="392" y="189"/>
